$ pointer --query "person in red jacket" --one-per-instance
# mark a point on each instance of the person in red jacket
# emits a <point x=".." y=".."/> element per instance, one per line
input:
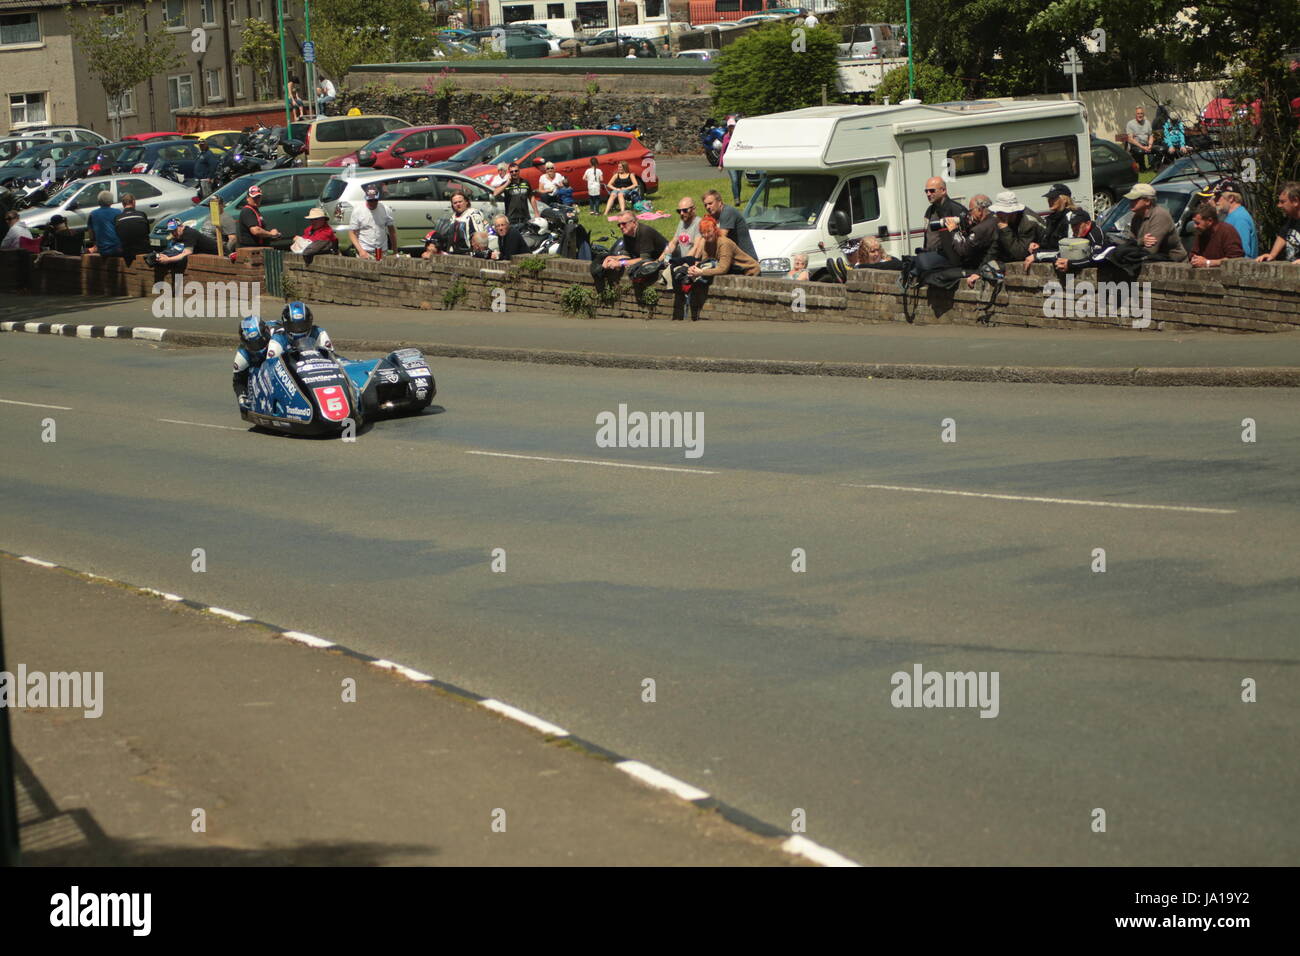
<point x="1215" y="241"/>
<point x="320" y="237"/>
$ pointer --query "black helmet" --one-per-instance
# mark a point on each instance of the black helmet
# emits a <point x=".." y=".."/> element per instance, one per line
<point x="296" y="318"/>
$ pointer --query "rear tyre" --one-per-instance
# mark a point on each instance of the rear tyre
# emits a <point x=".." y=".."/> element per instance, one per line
<point x="711" y="155"/>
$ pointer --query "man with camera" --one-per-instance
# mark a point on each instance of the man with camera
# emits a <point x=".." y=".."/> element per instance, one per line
<point x="941" y="207"/>
<point x="964" y="238"/>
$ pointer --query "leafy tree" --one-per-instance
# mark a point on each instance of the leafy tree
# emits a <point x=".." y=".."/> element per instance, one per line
<point x="774" y="68"/>
<point x="932" y="85"/>
<point x="260" y="48"/>
<point x="118" y="52"/>
<point x="348" y="32"/>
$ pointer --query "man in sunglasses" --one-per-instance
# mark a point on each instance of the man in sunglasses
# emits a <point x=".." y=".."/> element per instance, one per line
<point x="688" y="230"/>
<point x="941" y="207"/>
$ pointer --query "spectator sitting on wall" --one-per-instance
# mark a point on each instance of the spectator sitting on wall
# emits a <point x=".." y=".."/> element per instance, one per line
<point x="59" y="238"/>
<point x="1065" y="221"/>
<point x="510" y="242"/>
<point x="16" y="234"/>
<point x="185" y="241"/>
<point x="640" y="243"/>
<point x="798" y="267"/>
<point x="1286" y="248"/>
<point x="1018" y="229"/>
<point x="132" y="227"/>
<point x="321" y="240"/>
<point x="1215" y="241"/>
<point x="102" y="227"/>
<point x="252" y="229"/>
<point x="1238" y="216"/>
<point x="870" y="254"/>
<point x="1152" y="228"/>
<point x="713" y="246"/>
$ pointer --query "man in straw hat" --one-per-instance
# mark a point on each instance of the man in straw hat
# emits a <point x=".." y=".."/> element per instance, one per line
<point x="320" y="237"/>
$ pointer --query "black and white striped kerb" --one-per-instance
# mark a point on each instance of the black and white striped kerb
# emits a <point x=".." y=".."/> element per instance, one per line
<point x="86" y="331"/>
<point x="796" y="845"/>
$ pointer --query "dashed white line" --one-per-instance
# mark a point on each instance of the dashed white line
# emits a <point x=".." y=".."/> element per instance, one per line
<point x="177" y="421"/>
<point x="311" y="640"/>
<point x="590" y="461"/>
<point x="514" y="713"/>
<point x="1050" y="501"/>
<point x="660" y="780"/>
<point x="802" y="846"/>
<point x="10" y="401"/>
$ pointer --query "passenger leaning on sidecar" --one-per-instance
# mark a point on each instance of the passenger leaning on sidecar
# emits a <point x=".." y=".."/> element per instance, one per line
<point x="298" y="330"/>
<point x="254" y="338"/>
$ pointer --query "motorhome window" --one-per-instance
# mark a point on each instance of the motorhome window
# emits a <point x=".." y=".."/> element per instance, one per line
<point x="792" y="201"/>
<point x="1040" y="161"/>
<point x="860" y="199"/>
<point x="968" y="161"/>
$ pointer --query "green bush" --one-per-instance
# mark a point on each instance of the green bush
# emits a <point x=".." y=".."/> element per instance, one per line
<point x="774" y="68"/>
<point x="454" y="293"/>
<point x="931" y="85"/>
<point x="578" y="300"/>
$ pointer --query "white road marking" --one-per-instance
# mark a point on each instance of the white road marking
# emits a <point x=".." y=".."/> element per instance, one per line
<point x="660" y="780"/>
<point x="1050" y="501"/>
<point x="514" y="713"/>
<point x="407" y="672"/>
<point x="177" y="421"/>
<point x="83" y="331"/>
<point x="234" y="616"/>
<point x="311" y="640"/>
<point x="7" y="326"/>
<point x="163" y="594"/>
<point x="10" y="401"/>
<point x="802" y="846"/>
<point x="110" y="331"/>
<point x="587" y="461"/>
<point x="38" y="562"/>
<point x="152" y="335"/>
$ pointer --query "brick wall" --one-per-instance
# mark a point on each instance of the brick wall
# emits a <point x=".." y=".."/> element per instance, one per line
<point x="1239" y="296"/>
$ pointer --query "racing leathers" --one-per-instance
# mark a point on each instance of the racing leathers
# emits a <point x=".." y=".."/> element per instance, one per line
<point x="317" y="338"/>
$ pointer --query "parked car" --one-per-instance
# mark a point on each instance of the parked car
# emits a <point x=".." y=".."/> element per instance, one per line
<point x="287" y="196"/>
<point x="869" y="41"/>
<point x="518" y="44"/>
<point x="483" y="151"/>
<point x="423" y="144"/>
<point x="1205" y="166"/>
<point x="1113" y="174"/>
<point x="142" y="157"/>
<point x="697" y="54"/>
<point x="11" y="146"/>
<point x="329" y="136"/>
<point x="219" y="140"/>
<point x="412" y="195"/>
<point x="146" y="137"/>
<point x="1180" y="199"/>
<point x="571" y="151"/>
<point x="155" y="196"/>
<point x="67" y="134"/>
<point x="32" y="161"/>
<point x="758" y="18"/>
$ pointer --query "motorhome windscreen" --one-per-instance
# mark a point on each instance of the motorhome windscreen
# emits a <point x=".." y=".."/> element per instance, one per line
<point x="791" y="201"/>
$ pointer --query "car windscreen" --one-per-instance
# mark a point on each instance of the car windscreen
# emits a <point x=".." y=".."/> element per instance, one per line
<point x="521" y="149"/>
<point x="789" y="201"/>
<point x="131" y="155"/>
<point x="85" y="155"/>
<point x="383" y="141"/>
<point x="71" y="190"/>
<point x="30" y="156"/>
<point x="234" y="189"/>
<point x="333" y="189"/>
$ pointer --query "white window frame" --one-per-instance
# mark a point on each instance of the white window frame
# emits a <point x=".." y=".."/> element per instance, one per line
<point x="42" y="99"/>
<point x="189" y="82"/>
<point x="206" y="7"/>
<point x="112" y="10"/>
<point x="219" y="75"/>
<point x="232" y="11"/>
<point x="261" y="9"/>
<point x="127" y="101"/>
<point x="239" y="82"/>
<point x="184" y="19"/>
<point x="25" y="44"/>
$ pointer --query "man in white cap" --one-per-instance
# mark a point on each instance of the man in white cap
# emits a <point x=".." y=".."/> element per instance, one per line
<point x="1018" y="228"/>
<point x="373" y="230"/>
<point x="1152" y="227"/>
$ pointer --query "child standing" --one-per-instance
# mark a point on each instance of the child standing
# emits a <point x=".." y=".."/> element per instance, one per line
<point x="594" y="179"/>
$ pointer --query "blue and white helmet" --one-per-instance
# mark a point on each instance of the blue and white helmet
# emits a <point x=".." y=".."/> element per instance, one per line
<point x="296" y="319"/>
<point x="254" y="333"/>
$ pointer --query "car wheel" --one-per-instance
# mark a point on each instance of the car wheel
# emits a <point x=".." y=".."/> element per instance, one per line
<point x="1101" y="203"/>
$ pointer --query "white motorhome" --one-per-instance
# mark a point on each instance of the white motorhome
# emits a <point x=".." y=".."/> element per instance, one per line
<point x="834" y="173"/>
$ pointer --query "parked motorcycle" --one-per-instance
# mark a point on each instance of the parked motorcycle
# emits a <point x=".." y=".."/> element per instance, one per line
<point x="712" y="134"/>
<point x="622" y="127"/>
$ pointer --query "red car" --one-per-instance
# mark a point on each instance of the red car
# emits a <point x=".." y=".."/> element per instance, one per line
<point x="1221" y="112"/>
<point x="145" y="137"/>
<point x="571" y="152"/>
<point x="426" y="144"/>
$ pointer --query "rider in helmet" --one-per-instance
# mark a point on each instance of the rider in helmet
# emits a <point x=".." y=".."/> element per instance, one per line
<point x="254" y="338"/>
<point x="298" y="330"/>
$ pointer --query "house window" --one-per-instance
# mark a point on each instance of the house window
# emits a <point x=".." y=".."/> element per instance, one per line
<point x="555" y="11"/>
<point x="259" y="8"/>
<point x="123" y="105"/>
<point x="174" y="14"/>
<point x="180" y="91"/>
<point x="239" y="83"/>
<point x="232" y="10"/>
<point x="517" y="12"/>
<point x="214" y="78"/>
<point x="208" y="8"/>
<point x="20" y="28"/>
<point x="26" y="108"/>
<point x="114" y="22"/>
<point x="591" y="15"/>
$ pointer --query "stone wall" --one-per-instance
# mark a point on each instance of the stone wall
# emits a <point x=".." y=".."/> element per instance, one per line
<point x="56" y="274"/>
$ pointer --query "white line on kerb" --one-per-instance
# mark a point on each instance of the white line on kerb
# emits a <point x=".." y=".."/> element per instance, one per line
<point x="38" y="562"/>
<point x="10" y="401"/>
<point x="234" y="616"/>
<point x="660" y="780"/>
<point x="1049" y="501"/>
<point x="166" y="596"/>
<point x="514" y="713"/>
<point x="177" y="421"/>
<point x="408" y="672"/>
<point x="311" y="640"/>
<point x="588" y="461"/>
<point x="148" y="334"/>
<point x="802" y="846"/>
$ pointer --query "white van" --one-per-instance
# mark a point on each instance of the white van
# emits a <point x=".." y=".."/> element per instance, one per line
<point x="564" y="29"/>
<point x="835" y="173"/>
<point x="869" y="41"/>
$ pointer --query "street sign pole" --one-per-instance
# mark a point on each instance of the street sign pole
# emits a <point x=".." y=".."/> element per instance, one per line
<point x="284" y="65"/>
<point x="1073" y="67"/>
<point x="309" y="56"/>
<point x="911" y="75"/>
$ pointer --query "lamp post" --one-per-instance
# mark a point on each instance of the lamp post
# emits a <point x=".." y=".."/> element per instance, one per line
<point x="284" y="65"/>
<point x="911" y="77"/>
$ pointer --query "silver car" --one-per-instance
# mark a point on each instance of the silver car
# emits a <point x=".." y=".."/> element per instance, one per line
<point x="155" y="196"/>
<point x="411" y="194"/>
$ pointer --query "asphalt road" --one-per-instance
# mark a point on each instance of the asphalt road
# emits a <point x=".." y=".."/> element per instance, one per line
<point x="1118" y="690"/>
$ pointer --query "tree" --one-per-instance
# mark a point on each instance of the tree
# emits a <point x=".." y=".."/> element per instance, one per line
<point x="348" y="32"/>
<point x="119" y="53"/>
<point x="260" y="49"/>
<point x="932" y="85"/>
<point x="775" y="68"/>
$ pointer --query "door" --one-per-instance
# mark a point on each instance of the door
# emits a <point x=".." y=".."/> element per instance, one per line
<point x="442" y="144"/>
<point x="410" y="199"/>
<point x="917" y="168"/>
<point x="147" y="196"/>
